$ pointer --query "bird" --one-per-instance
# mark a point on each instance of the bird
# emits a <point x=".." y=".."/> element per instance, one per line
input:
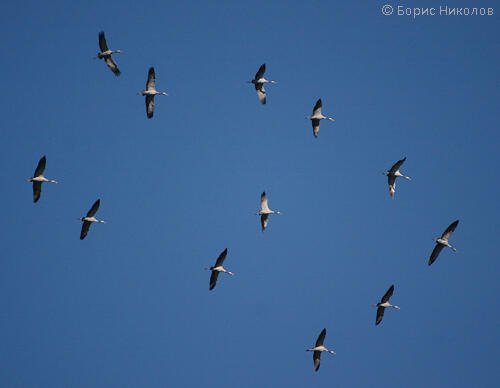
<point x="442" y="241"/>
<point x="392" y="174"/>
<point x="38" y="179"/>
<point x="89" y="218"/>
<point x="317" y="116"/>
<point x="106" y="54"/>
<point x="318" y="349"/>
<point x="265" y="211"/>
<point x="384" y="303"/>
<point x="259" y="82"/>
<point x="217" y="268"/>
<point x="151" y="92"/>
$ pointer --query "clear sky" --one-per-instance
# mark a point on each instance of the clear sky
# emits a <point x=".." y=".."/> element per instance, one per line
<point x="130" y="307"/>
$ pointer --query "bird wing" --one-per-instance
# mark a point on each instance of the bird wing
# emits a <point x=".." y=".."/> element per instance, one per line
<point x="387" y="295"/>
<point x="221" y="258"/>
<point x="315" y="124"/>
<point x="435" y="253"/>
<point x="449" y="230"/>
<point x="321" y="338"/>
<point x="317" y="108"/>
<point x="396" y="166"/>
<point x="37" y="190"/>
<point x="40" y="167"/>
<point x="112" y="65"/>
<point x="380" y="315"/>
<point x="263" y="202"/>
<point x="264" y="220"/>
<point x="85" y="229"/>
<point x="94" y="208"/>
<point x="150" y="105"/>
<point x="261" y="92"/>
<point x="316" y="359"/>
<point x="391" y="180"/>
<point x="213" y="279"/>
<point x="150" y="83"/>
<point x="260" y="73"/>
<point x="102" y="42"/>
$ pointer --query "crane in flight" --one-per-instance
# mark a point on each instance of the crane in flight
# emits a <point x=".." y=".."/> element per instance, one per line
<point x="392" y="174"/>
<point x="259" y="82"/>
<point x="442" y="242"/>
<point x="89" y="219"/>
<point x="265" y="211"/>
<point x="38" y="179"/>
<point x="217" y="268"/>
<point x="383" y="304"/>
<point x="318" y="348"/>
<point x="106" y="54"/>
<point x="317" y="116"/>
<point x="150" y="92"/>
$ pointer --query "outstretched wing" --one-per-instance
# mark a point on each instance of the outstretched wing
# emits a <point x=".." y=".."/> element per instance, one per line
<point x="264" y="220"/>
<point x="40" y="167"/>
<point x="213" y="279"/>
<point x="263" y="202"/>
<point x="321" y="338"/>
<point x="391" y="180"/>
<point x="102" y="42"/>
<point x="37" y="190"/>
<point x="396" y="166"/>
<point x="435" y="253"/>
<point x="150" y="105"/>
<point x="85" y="229"/>
<point x="388" y="294"/>
<point x="449" y="230"/>
<point x="260" y="73"/>
<point x="380" y="315"/>
<point x="112" y="65"/>
<point x="315" y="124"/>
<point x="150" y="83"/>
<point x="94" y="208"/>
<point x="317" y="360"/>
<point x="261" y="93"/>
<point x="221" y="258"/>
<point x="317" y="108"/>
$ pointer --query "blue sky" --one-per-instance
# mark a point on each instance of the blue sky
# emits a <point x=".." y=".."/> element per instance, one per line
<point x="130" y="307"/>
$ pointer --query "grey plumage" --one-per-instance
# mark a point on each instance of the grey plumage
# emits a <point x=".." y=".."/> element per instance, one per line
<point x="443" y="242"/>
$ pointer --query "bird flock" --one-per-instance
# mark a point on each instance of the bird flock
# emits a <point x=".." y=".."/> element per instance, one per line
<point x="149" y="93"/>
